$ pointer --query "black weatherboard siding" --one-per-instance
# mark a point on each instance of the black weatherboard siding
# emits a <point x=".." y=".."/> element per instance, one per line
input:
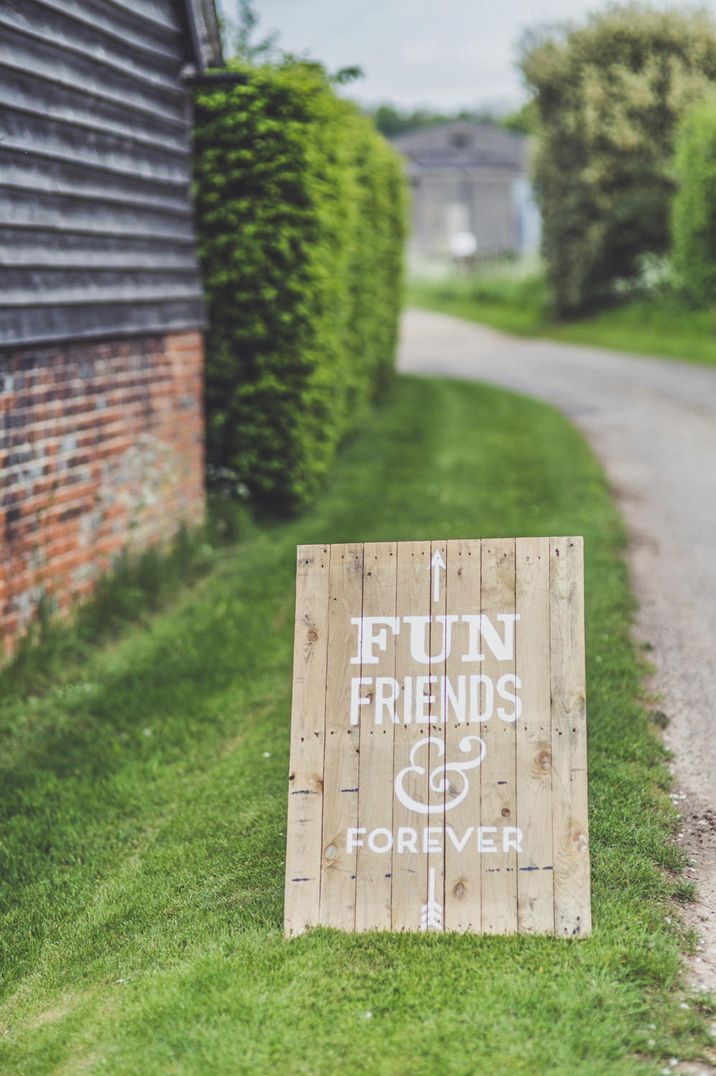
<point x="96" y="234"/>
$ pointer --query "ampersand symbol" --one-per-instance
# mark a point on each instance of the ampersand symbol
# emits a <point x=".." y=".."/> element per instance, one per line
<point x="438" y="780"/>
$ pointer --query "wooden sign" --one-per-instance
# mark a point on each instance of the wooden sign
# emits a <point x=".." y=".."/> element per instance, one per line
<point x="438" y="773"/>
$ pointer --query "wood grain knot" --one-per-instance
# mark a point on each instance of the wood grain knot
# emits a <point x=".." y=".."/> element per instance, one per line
<point x="312" y="635"/>
<point x="459" y="891"/>
<point x="330" y="852"/>
<point x="544" y="760"/>
<point x="580" y="839"/>
<point x="505" y="812"/>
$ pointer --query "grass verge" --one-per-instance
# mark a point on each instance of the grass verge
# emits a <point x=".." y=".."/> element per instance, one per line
<point x="661" y="326"/>
<point x="144" y="800"/>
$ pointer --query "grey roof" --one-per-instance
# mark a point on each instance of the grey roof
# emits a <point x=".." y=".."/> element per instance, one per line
<point x="463" y="144"/>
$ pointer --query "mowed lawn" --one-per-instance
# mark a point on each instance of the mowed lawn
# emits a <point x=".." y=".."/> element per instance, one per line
<point x="144" y="810"/>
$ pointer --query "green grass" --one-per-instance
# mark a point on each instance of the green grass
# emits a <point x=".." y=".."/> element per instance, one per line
<point x="144" y="806"/>
<point x="661" y="325"/>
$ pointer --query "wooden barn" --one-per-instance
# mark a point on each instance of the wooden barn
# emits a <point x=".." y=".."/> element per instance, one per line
<point x="101" y="312"/>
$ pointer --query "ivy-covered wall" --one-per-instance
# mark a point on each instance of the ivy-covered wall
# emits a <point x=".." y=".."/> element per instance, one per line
<point x="301" y="218"/>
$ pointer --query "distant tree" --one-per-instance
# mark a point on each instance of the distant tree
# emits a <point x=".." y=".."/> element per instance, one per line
<point x="608" y="96"/>
<point x="524" y="120"/>
<point x="392" y="121"/>
<point x="240" y="40"/>
<point x="344" y="75"/>
<point x="240" y="44"/>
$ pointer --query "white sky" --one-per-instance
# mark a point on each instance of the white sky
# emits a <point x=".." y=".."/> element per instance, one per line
<point x="445" y="53"/>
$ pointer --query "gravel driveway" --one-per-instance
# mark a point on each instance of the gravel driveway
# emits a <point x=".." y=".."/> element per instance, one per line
<point x="652" y="424"/>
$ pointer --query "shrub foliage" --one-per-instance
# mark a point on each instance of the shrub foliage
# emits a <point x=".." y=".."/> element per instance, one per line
<point x="300" y="213"/>
<point x="608" y="97"/>
<point x="694" y="206"/>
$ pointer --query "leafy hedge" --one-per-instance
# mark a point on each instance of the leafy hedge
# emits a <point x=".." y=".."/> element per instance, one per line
<point x="608" y="97"/>
<point x="301" y="218"/>
<point x="694" y="206"/>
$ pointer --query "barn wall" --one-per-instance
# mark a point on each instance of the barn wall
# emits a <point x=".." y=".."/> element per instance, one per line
<point x="101" y="432"/>
<point x="96" y="234"/>
<point x="101" y="449"/>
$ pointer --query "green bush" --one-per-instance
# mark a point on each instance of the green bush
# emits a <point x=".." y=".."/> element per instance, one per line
<point x="300" y="213"/>
<point x="694" y="206"/>
<point x="608" y="97"/>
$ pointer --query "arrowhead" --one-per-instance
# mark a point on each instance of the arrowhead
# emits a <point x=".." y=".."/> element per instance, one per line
<point x="437" y="561"/>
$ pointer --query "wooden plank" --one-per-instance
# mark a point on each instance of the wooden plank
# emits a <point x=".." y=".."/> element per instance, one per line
<point x="535" y="889"/>
<point x="377" y="721"/>
<point x="409" y="868"/>
<point x="303" y="837"/>
<point x="340" y="798"/>
<point x="434" y="914"/>
<point x="498" y="798"/>
<point x="462" y="868"/>
<point x="572" y="907"/>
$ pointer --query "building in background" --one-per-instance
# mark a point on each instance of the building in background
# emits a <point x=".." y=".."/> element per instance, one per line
<point x="101" y="426"/>
<point x="470" y="191"/>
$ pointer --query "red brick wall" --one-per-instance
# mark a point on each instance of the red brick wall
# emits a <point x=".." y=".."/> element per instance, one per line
<point x="101" y="448"/>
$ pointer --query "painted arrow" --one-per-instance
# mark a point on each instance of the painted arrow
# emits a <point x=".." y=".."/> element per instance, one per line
<point x="436" y="564"/>
<point x="431" y="914"/>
